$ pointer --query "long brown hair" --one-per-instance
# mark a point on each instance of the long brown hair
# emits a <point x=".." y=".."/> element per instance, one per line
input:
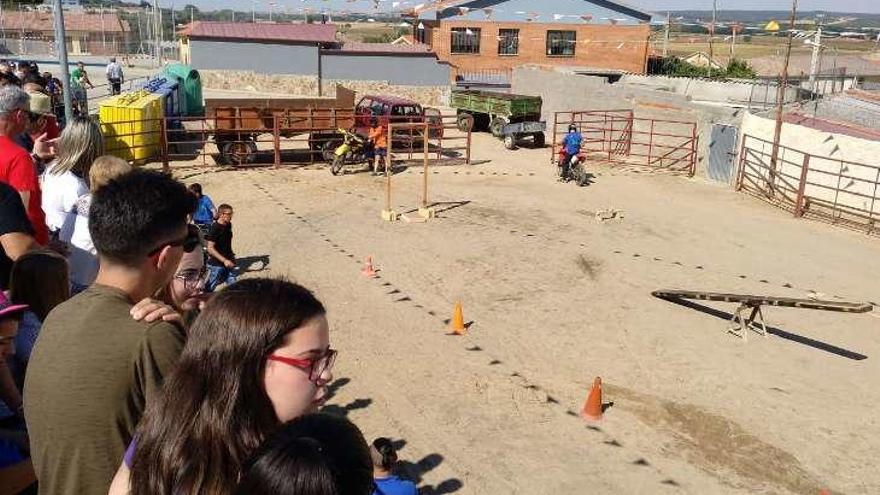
<point x="214" y="412"/>
<point x="41" y="280"/>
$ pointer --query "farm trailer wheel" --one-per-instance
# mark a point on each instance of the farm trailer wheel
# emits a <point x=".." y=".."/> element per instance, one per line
<point x="239" y="152"/>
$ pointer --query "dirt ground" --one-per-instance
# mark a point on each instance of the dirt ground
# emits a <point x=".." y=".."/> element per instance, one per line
<point x="556" y="298"/>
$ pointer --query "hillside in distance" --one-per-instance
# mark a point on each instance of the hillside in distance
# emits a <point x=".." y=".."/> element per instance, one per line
<point x="845" y="20"/>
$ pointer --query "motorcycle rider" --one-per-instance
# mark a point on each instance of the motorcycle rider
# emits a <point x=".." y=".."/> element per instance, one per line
<point x="571" y="146"/>
<point x="379" y="138"/>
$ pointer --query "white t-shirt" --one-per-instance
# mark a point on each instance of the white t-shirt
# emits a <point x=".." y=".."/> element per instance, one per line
<point x="83" y="257"/>
<point x="60" y="193"/>
<point x="114" y="71"/>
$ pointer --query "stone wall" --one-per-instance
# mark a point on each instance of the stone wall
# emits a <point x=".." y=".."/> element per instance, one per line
<point x="433" y="96"/>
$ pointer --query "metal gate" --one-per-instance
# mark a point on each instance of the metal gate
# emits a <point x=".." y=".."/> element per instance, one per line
<point x="722" y="153"/>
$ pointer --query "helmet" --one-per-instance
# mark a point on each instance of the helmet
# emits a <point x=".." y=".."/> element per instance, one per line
<point x="572" y="128"/>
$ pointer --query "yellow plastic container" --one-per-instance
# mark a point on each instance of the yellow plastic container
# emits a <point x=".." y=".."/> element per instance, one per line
<point x="131" y="125"/>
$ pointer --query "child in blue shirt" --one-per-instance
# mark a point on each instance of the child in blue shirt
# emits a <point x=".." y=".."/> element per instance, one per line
<point x="205" y="211"/>
<point x="384" y="460"/>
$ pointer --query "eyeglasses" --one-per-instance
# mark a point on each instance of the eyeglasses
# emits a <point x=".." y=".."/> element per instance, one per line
<point x="193" y="279"/>
<point x="189" y="241"/>
<point x="315" y="367"/>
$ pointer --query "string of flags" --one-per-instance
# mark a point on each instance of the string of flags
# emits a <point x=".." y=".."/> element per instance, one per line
<point x="412" y="8"/>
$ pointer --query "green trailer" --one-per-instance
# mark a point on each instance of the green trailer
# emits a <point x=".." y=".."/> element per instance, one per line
<point x="507" y="116"/>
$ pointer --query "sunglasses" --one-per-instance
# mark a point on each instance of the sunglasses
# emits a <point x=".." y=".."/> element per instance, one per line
<point x="192" y="279"/>
<point x="189" y="241"/>
<point x="314" y="367"/>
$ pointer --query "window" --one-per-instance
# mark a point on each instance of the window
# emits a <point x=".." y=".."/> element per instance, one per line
<point x="561" y="43"/>
<point x="508" y="42"/>
<point x="465" y="40"/>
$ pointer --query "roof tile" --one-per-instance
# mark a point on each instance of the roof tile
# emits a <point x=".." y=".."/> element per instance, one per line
<point x="313" y="33"/>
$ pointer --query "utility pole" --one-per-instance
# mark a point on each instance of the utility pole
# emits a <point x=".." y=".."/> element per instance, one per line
<point x="192" y="15"/>
<point x="61" y="46"/>
<point x="103" y="30"/>
<point x="158" y="20"/>
<point x="780" y="99"/>
<point x="817" y="47"/>
<point x="734" y="28"/>
<point x="712" y="36"/>
<point x="666" y="36"/>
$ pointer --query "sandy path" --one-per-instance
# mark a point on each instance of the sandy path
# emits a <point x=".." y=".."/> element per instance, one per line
<point x="556" y="299"/>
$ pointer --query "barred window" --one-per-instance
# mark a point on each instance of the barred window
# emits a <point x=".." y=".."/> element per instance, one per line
<point x="465" y="40"/>
<point x="508" y="42"/>
<point x="561" y="43"/>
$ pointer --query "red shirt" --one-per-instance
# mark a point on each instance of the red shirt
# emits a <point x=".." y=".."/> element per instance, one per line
<point x="17" y="169"/>
<point x="52" y="130"/>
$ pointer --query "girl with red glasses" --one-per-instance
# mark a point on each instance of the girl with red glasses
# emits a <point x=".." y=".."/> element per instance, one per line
<point x="257" y="356"/>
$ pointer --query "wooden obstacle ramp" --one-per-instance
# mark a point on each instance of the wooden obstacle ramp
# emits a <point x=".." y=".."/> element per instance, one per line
<point x="755" y="321"/>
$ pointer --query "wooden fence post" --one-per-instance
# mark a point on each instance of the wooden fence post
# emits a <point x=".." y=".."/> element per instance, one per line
<point x="741" y="172"/>
<point x="425" y="182"/>
<point x="802" y="185"/>
<point x="163" y="143"/>
<point x="276" y="135"/>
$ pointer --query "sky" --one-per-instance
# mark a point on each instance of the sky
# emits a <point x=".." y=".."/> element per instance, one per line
<point x="867" y="6"/>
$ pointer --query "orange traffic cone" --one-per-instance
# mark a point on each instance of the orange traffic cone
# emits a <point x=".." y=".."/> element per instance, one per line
<point x="368" y="270"/>
<point x="458" y="327"/>
<point x="593" y="407"/>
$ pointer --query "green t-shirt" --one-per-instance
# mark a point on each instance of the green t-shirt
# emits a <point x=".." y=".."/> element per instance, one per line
<point x="75" y="77"/>
<point x="90" y="376"/>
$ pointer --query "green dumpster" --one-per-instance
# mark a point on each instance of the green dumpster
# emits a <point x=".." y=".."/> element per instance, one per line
<point x="191" y="103"/>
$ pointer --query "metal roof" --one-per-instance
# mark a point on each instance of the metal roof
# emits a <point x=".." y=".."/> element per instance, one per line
<point x="418" y="48"/>
<point x="448" y="8"/>
<point x="278" y="32"/>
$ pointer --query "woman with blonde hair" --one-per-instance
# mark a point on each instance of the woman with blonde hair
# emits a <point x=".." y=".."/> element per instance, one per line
<point x="66" y="178"/>
<point x="83" y="255"/>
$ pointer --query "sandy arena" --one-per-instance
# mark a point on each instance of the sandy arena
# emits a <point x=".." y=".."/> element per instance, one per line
<point x="557" y="298"/>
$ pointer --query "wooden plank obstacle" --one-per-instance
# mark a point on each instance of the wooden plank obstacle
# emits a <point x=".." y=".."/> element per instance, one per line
<point x="755" y="321"/>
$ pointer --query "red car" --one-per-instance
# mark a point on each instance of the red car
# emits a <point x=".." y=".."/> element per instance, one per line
<point x="391" y="109"/>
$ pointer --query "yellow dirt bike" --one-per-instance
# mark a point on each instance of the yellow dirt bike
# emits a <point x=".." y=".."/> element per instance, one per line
<point x="355" y="149"/>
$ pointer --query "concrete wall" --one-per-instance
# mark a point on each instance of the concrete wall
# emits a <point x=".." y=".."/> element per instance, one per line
<point x="729" y="92"/>
<point x="290" y="85"/>
<point x="828" y="150"/>
<point x="562" y="92"/>
<point x="847" y="109"/>
<point x="259" y="57"/>
<point x="414" y="71"/>
<point x="598" y="46"/>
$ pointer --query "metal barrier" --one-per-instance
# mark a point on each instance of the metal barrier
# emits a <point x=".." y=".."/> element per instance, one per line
<point x="616" y="136"/>
<point x="297" y="137"/>
<point x="837" y="191"/>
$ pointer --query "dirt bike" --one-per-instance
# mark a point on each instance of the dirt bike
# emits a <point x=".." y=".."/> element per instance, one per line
<point x="355" y="149"/>
<point x="577" y="170"/>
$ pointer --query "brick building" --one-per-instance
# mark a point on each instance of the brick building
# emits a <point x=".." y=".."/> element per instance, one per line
<point x="285" y="48"/>
<point x="88" y="33"/>
<point x="483" y="40"/>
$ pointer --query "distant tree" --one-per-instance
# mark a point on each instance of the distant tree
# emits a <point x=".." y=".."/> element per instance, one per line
<point x="739" y="69"/>
<point x="676" y="67"/>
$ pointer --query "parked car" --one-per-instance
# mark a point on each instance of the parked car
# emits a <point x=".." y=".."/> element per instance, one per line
<point x="395" y="110"/>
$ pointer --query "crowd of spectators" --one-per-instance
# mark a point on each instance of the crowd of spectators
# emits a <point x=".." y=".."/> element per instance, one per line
<point x="132" y="360"/>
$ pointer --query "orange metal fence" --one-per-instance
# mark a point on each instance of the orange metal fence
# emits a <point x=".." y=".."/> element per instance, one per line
<point x="837" y="191"/>
<point x="616" y="136"/>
